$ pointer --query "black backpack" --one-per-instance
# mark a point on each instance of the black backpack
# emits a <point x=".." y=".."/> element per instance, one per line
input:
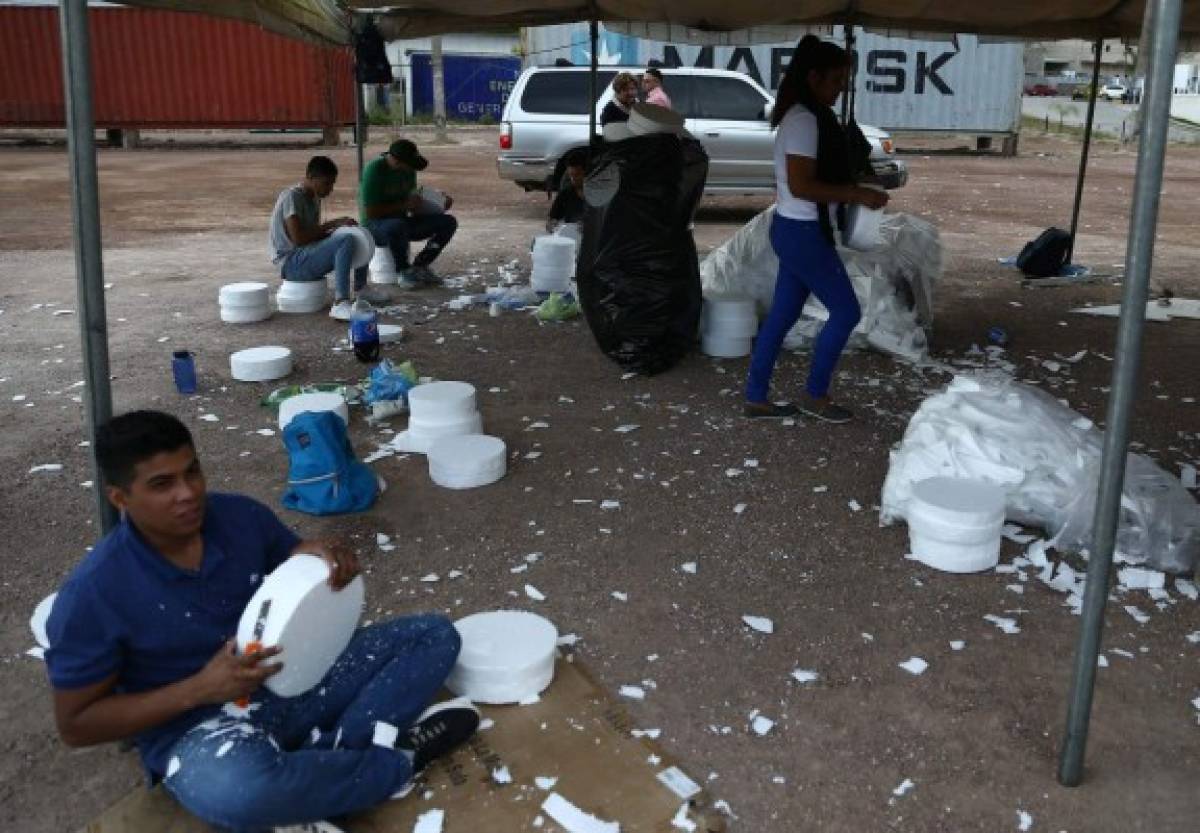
<point x="1047" y="255"/>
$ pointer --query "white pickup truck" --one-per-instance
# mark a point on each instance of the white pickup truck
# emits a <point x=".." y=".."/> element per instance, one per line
<point x="547" y="116"/>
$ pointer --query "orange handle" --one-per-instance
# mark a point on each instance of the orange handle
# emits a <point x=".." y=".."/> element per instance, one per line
<point x="251" y="648"/>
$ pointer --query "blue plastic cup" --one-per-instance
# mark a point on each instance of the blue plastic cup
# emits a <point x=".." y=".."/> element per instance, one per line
<point x="183" y="366"/>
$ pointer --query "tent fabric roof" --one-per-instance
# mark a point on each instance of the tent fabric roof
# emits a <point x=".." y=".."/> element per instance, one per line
<point x="1046" y="19"/>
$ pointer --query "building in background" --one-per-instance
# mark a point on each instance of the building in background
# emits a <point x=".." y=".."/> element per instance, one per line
<point x="1067" y="63"/>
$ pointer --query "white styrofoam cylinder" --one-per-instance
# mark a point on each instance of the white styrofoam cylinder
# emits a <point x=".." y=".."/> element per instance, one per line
<point x="467" y="462"/>
<point x="314" y="402"/>
<point x="726" y="348"/>
<point x="723" y="328"/>
<point x="245" y="315"/>
<point x="244" y="294"/>
<point x="954" y="557"/>
<point x="429" y="429"/>
<point x="364" y="243"/>
<point x="933" y="525"/>
<point x="507" y="656"/>
<point x="442" y="400"/>
<point x="862" y="231"/>
<point x="382" y="260"/>
<point x="971" y="503"/>
<point x="298" y="308"/>
<point x="389" y="333"/>
<point x="260" y="364"/>
<point x="37" y="622"/>
<point x="311" y="621"/>
<point x="303" y="290"/>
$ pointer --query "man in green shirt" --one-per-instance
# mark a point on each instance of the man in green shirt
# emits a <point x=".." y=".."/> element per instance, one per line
<point x="396" y="212"/>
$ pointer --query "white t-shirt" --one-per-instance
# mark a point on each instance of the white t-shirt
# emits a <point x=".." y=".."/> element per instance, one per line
<point x="798" y="135"/>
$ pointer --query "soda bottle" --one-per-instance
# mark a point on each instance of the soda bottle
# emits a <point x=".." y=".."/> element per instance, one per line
<point x="364" y="331"/>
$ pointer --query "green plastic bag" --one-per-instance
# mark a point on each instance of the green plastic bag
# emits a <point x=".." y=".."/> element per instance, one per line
<point x="557" y="308"/>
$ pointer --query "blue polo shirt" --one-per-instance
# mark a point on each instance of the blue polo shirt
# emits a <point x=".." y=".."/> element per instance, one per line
<point x="127" y="610"/>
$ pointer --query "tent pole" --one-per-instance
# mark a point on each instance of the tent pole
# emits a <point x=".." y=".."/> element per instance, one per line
<point x="594" y="36"/>
<point x="1087" y="144"/>
<point x="1138" y="258"/>
<point x="85" y="217"/>
<point x="359" y="125"/>
<point x="848" y="92"/>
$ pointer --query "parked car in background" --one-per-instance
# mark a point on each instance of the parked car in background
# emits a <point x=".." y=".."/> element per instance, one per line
<point x="546" y="117"/>
<point x="1082" y="92"/>
<point x="1041" y="90"/>
<point x="1114" y="92"/>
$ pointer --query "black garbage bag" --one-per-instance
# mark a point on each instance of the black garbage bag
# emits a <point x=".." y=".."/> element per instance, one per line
<point x="638" y="274"/>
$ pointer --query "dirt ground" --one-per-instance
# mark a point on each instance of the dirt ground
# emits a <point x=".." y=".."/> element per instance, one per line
<point x="978" y="733"/>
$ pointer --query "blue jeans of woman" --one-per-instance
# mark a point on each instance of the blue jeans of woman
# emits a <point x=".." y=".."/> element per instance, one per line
<point x="316" y="260"/>
<point x="808" y="263"/>
<point x="312" y="757"/>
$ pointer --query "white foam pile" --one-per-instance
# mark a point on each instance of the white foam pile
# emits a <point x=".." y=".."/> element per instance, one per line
<point x="728" y="325"/>
<point x="301" y="296"/>
<point x="247" y="302"/>
<point x="507" y="656"/>
<point x="1046" y="458"/>
<point x="438" y="410"/>
<point x="260" y="364"/>
<point x="553" y="263"/>
<point x="894" y="283"/>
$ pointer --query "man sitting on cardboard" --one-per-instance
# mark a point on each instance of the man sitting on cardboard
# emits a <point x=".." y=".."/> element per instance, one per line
<point x="395" y="212"/>
<point x="141" y="647"/>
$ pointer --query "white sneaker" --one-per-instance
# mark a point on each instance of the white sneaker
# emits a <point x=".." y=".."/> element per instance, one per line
<point x="309" y="827"/>
<point x="374" y="296"/>
<point x="341" y="310"/>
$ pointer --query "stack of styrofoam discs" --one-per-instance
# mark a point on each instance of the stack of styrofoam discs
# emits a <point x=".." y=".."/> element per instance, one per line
<point x="301" y="296"/>
<point x="260" y="364"/>
<point x="364" y="243"/>
<point x="383" y="267"/>
<point x="467" y="462"/>
<point x="390" y="333"/>
<point x="553" y="263"/>
<point x="305" y="402"/>
<point x="437" y="410"/>
<point x="728" y="326"/>
<point x="507" y="656"/>
<point x="245" y="303"/>
<point x="955" y="524"/>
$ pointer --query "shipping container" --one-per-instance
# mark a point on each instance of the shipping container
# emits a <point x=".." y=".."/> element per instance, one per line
<point x="953" y="85"/>
<point x="164" y="69"/>
<point x="476" y="85"/>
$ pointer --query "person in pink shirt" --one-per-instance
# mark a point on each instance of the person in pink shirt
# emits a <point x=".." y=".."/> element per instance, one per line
<point x="652" y="86"/>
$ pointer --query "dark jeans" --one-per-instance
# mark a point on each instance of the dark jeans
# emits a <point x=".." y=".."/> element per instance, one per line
<point x="307" y="758"/>
<point x="397" y="232"/>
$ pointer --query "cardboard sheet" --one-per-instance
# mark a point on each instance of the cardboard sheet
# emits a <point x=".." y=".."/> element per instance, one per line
<point x="577" y="733"/>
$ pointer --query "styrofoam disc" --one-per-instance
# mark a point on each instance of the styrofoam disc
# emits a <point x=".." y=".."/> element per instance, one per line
<point x="302" y="290"/>
<point x="389" y="333"/>
<point x="442" y="400"/>
<point x="364" y="243"/>
<point x="972" y="503"/>
<point x="726" y="348"/>
<point x="311" y="621"/>
<point x="506" y="656"/>
<point x="419" y="437"/>
<point x="245" y="315"/>
<point x="41" y="615"/>
<point x="319" y="401"/>
<point x="244" y="294"/>
<point x="260" y="364"/>
<point x="467" y="462"/>
<point x="862" y="231"/>
<point x="951" y="557"/>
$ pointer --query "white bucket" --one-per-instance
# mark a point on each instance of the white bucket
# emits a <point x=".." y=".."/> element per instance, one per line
<point x="314" y="402"/>
<point x="467" y="462"/>
<point x="955" y="525"/>
<point x="260" y="364"/>
<point x="383" y="267"/>
<point x="364" y="243"/>
<point x="726" y="348"/>
<point x="507" y="656"/>
<point x="311" y="621"/>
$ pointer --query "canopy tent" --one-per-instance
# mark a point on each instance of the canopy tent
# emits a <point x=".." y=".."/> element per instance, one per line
<point x="329" y="20"/>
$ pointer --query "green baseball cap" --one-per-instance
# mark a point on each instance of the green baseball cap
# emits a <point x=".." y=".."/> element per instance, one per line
<point x="406" y="152"/>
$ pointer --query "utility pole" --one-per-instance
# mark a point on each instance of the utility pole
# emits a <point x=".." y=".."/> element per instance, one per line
<point x="439" y="90"/>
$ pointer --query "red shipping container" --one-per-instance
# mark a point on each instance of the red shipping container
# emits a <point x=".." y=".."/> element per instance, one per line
<point x="163" y="69"/>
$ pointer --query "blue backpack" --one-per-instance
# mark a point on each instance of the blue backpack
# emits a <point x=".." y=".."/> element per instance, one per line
<point x="324" y="475"/>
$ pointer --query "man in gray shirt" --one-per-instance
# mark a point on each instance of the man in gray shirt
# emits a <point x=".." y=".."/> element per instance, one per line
<point x="304" y="248"/>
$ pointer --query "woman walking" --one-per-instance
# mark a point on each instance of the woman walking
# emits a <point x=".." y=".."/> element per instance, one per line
<point x="813" y="173"/>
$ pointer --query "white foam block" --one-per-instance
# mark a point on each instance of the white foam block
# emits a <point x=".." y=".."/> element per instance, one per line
<point x="574" y="820"/>
<point x="430" y="821"/>
<point x="37" y="622"/>
<point x="260" y="364"/>
<point x="759" y="623"/>
<point x="915" y="666"/>
<point x="315" y="402"/>
<point x="506" y="656"/>
<point x="308" y="619"/>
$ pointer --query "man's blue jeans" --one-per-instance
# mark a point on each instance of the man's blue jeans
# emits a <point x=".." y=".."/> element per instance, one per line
<point x="397" y="232"/>
<point x="308" y="758"/>
<point x="316" y="260"/>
